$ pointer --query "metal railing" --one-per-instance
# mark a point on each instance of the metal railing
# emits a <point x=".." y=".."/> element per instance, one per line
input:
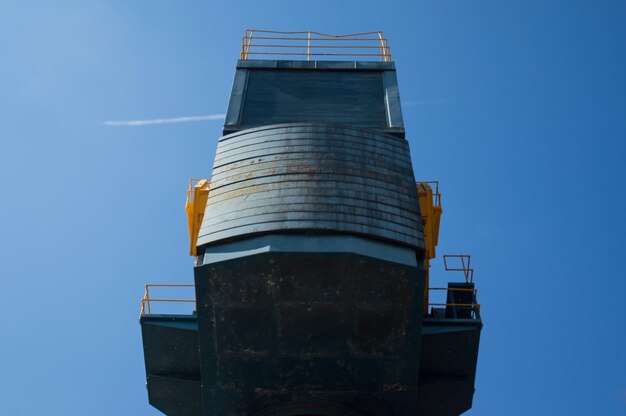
<point x="192" y="182"/>
<point x="474" y="306"/>
<point x="434" y="185"/>
<point x="146" y="301"/>
<point x="365" y="45"/>
<point x="464" y="259"/>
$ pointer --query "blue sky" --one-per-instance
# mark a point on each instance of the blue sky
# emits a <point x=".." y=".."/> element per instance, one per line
<point x="518" y="108"/>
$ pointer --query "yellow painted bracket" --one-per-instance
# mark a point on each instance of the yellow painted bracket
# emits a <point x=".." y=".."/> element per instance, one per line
<point x="430" y="210"/>
<point x="197" y="196"/>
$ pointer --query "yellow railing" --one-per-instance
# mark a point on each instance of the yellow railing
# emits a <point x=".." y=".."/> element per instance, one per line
<point x="474" y="306"/>
<point x="146" y="301"/>
<point x="365" y="45"/>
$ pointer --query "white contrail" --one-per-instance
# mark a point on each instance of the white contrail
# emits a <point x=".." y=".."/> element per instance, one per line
<point x="412" y="103"/>
<point x="428" y="102"/>
<point x="184" y="119"/>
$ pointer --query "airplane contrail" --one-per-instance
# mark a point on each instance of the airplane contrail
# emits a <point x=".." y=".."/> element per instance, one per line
<point x="184" y="119"/>
<point x="428" y="102"/>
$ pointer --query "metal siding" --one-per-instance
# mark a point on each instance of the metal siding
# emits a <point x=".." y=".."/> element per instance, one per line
<point x="392" y="100"/>
<point x="283" y="96"/>
<point x="331" y="183"/>
<point x="236" y="98"/>
<point x="309" y="243"/>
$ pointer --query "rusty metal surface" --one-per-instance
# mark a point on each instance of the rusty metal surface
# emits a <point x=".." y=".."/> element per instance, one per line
<point x="312" y="177"/>
<point x="279" y="327"/>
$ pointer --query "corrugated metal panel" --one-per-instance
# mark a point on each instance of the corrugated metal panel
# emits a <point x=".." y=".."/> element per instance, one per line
<point x="350" y="93"/>
<point x="312" y="177"/>
<point x="287" y="96"/>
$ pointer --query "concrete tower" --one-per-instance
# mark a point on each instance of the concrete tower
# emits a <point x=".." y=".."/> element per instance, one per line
<point x="311" y="261"/>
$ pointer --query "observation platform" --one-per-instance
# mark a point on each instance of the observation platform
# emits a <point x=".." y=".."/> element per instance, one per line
<point x="450" y="335"/>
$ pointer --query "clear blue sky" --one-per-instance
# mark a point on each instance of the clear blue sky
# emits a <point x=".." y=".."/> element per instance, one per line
<point x="517" y="107"/>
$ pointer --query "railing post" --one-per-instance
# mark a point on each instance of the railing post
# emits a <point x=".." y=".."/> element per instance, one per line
<point x="475" y="302"/>
<point x="308" y="46"/>
<point x="246" y="43"/>
<point x="148" y="300"/>
<point x="383" y="52"/>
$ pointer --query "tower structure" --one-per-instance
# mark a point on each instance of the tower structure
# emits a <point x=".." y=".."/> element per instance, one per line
<point x="312" y="244"/>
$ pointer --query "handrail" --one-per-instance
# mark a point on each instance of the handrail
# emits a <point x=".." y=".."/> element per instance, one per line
<point x="192" y="183"/>
<point x="454" y="289"/>
<point x="475" y="306"/>
<point x="465" y="305"/>
<point x="468" y="272"/>
<point x="147" y="300"/>
<point x="303" y="40"/>
<point x="436" y="194"/>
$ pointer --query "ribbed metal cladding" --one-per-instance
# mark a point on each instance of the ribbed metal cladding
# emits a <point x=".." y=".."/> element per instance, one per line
<point x="314" y="177"/>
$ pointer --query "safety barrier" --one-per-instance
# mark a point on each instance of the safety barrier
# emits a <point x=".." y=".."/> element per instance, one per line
<point x="464" y="262"/>
<point x="267" y="43"/>
<point x="146" y="301"/>
<point x="473" y="307"/>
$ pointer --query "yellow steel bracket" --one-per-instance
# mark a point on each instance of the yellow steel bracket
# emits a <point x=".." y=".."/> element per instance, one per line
<point x="430" y="209"/>
<point x="197" y="196"/>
